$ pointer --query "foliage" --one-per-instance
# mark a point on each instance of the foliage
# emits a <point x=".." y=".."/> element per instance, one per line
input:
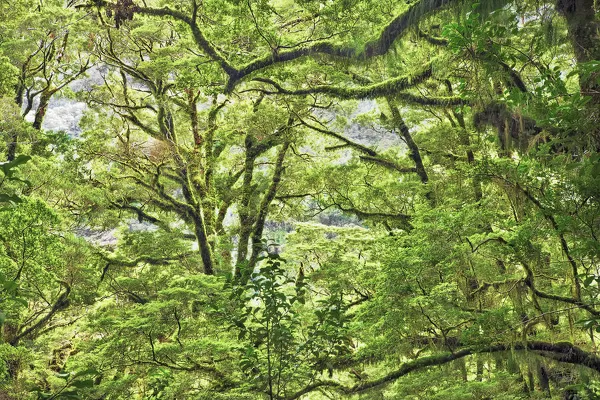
<point x="279" y="346"/>
<point x="290" y="199"/>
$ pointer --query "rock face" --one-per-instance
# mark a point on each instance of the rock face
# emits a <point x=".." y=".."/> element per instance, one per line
<point x="368" y="135"/>
<point x="374" y="135"/>
<point x="63" y="113"/>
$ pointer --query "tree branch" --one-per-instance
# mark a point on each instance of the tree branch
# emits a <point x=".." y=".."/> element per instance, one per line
<point x="388" y="87"/>
<point x="564" y="352"/>
<point x="377" y="47"/>
<point x="60" y="304"/>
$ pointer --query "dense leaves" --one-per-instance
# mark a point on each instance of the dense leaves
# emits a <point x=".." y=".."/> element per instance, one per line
<point x="300" y="200"/>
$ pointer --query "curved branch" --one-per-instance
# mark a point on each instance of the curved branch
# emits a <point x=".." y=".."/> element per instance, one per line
<point x="414" y="152"/>
<point x="431" y="101"/>
<point x="199" y="37"/>
<point x="437" y="41"/>
<point x="370" y="155"/>
<point x="515" y="77"/>
<point x="388" y="87"/>
<point x="61" y="303"/>
<point x="563" y="241"/>
<point x="377" y="47"/>
<point x="380" y="46"/>
<point x="125" y="262"/>
<point x="388" y="164"/>
<point x="569" y="300"/>
<point x="564" y="352"/>
<point x="363" y="149"/>
<point x="404" y="218"/>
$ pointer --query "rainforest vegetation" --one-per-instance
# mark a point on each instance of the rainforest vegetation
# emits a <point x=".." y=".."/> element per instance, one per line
<point x="300" y="199"/>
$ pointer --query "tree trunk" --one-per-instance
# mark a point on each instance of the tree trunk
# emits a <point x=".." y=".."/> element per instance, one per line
<point x="11" y="148"/>
<point x="203" y="244"/>
<point x="543" y="380"/>
<point x="264" y="207"/>
<point x="40" y="113"/>
<point x="584" y="31"/>
<point x="462" y="365"/>
<point x="413" y="149"/>
<point x="479" y="366"/>
<point x="245" y="216"/>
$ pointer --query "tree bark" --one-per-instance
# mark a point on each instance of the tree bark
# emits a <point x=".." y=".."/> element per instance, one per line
<point x="584" y="31"/>
<point x="264" y="207"/>
<point x="563" y="352"/>
<point x="40" y="113"/>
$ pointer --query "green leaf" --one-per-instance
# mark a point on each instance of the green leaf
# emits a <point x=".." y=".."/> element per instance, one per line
<point x="21" y="301"/>
<point x="89" y="371"/>
<point x="6" y="198"/>
<point x="69" y="394"/>
<point x="10" y="286"/>
<point x="7" y="166"/>
<point x="25" y="181"/>
<point x="88" y="383"/>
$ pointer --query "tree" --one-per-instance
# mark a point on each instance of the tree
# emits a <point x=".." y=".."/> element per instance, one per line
<point x="45" y="46"/>
<point x="428" y="168"/>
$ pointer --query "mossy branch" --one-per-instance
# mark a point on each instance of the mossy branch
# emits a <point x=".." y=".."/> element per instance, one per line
<point x="564" y="352"/>
<point x="377" y="47"/>
<point x="388" y="87"/>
